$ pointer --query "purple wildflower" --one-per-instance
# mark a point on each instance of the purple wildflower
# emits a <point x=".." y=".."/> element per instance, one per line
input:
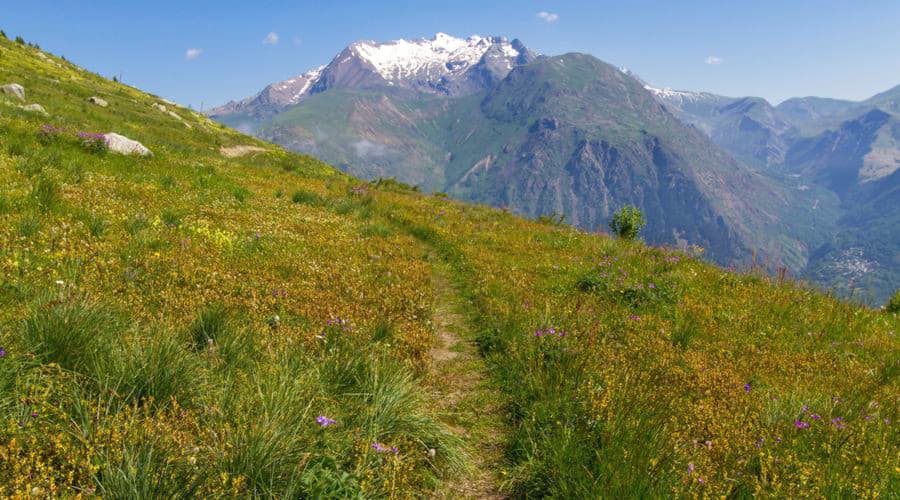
<point x="801" y="424"/>
<point x="691" y="468"/>
<point x="805" y="408"/>
<point x="747" y="387"/>
<point x="380" y="448"/>
<point x="91" y="135"/>
<point x="701" y="480"/>
<point x="651" y="285"/>
<point x="816" y="417"/>
<point x="325" y="421"/>
<point x="868" y="417"/>
<point x="2" y="352"/>
<point x="634" y="318"/>
<point x="34" y="414"/>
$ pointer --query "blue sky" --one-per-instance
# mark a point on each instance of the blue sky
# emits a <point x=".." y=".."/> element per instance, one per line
<point x="774" y="49"/>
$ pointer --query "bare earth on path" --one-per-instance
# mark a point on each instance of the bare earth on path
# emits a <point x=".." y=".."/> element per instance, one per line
<point x="462" y="395"/>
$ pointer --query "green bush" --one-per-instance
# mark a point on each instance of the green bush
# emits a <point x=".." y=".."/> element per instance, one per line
<point x="308" y="198"/>
<point x="627" y="222"/>
<point x="893" y="305"/>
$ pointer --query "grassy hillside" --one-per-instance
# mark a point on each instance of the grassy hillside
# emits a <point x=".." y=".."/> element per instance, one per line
<point x="194" y="324"/>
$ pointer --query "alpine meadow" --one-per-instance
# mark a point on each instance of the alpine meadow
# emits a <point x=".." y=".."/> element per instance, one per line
<point x="188" y="311"/>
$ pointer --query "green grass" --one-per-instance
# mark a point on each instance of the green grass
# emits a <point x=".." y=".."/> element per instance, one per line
<point x="173" y="328"/>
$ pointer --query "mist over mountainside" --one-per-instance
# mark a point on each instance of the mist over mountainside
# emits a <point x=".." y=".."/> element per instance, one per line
<point x="488" y="120"/>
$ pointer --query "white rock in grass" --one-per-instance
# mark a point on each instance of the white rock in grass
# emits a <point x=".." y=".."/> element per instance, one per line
<point x="98" y="101"/>
<point x="15" y="90"/>
<point x="123" y="145"/>
<point x="35" y="108"/>
<point x="175" y="116"/>
<point x="160" y="107"/>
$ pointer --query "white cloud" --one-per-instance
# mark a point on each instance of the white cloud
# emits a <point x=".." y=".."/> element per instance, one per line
<point x="191" y="54"/>
<point x="550" y="17"/>
<point x="713" y="60"/>
<point x="271" y="39"/>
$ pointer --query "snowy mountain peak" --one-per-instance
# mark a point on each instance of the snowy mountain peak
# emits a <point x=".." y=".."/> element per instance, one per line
<point x="442" y="65"/>
<point x="429" y="58"/>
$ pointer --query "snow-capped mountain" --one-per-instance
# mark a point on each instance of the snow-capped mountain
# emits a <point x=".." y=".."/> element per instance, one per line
<point x="443" y="65"/>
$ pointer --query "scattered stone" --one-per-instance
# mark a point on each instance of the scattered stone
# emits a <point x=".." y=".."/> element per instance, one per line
<point x="238" y="151"/>
<point x="159" y="106"/>
<point x="42" y="55"/>
<point x="36" y="108"/>
<point x="175" y="116"/>
<point x="123" y="145"/>
<point x="98" y="101"/>
<point x="15" y="90"/>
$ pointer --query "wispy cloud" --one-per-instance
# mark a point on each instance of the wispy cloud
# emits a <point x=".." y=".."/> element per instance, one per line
<point x="191" y="54"/>
<point x="297" y="40"/>
<point x="550" y="17"/>
<point x="713" y="60"/>
<point x="271" y="39"/>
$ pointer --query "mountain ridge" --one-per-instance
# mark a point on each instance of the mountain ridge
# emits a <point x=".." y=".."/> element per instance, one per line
<point x="548" y="145"/>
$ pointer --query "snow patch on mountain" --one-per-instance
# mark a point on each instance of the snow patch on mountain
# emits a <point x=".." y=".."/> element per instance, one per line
<point x="677" y="95"/>
<point x="441" y="55"/>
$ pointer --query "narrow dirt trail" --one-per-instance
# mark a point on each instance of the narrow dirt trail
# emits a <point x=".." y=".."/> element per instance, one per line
<point x="462" y="395"/>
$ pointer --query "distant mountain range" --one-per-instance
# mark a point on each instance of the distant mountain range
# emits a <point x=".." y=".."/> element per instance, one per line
<point x="810" y="184"/>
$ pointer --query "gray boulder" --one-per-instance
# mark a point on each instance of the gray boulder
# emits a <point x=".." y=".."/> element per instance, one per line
<point x="98" y="101"/>
<point x="123" y="145"/>
<point x="158" y="106"/>
<point x="35" y="108"/>
<point x="15" y="90"/>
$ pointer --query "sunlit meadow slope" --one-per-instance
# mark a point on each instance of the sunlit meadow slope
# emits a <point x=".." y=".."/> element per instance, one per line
<point x="191" y="324"/>
<point x="188" y="324"/>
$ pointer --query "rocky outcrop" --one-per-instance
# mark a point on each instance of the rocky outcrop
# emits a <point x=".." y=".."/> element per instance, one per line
<point x="98" y="101"/>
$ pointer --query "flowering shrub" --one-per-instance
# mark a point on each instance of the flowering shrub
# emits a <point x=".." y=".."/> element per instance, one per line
<point x="93" y="143"/>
